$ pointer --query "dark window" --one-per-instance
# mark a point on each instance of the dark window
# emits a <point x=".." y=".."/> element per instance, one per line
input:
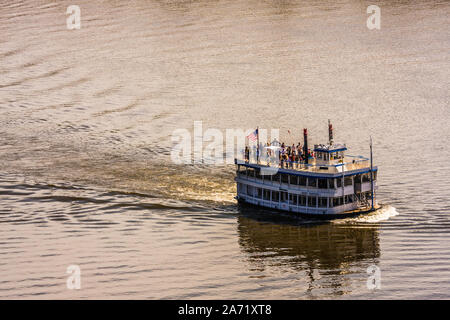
<point x="322" y="183"/>
<point x="258" y="173"/>
<point x="339" y="182"/>
<point x="284" y="178"/>
<point x="348" y="181"/>
<point x="293" y="199"/>
<point x="251" y="172"/>
<point x="322" y="202"/>
<point x="293" y="180"/>
<point x="259" y="193"/>
<point x="275" y="196"/>
<point x="276" y="177"/>
<point x="349" y="199"/>
<point x="337" y="202"/>
<point x="312" y="201"/>
<point x="331" y="184"/>
<point x="302" y="181"/>
<point x="266" y="194"/>
<point x="312" y="182"/>
<point x="302" y="201"/>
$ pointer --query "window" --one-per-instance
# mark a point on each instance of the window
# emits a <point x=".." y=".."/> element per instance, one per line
<point x="312" y="200"/>
<point x="292" y="199"/>
<point x="322" y="183"/>
<point x="276" y="177"/>
<point x="251" y="172"/>
<point x="302" y="201"/>
<point x="275" y="196"/>
<point x="293" y="180"/>
<point x="349" y="198"/>
<point x="284" y="178"/>
<point x="259" y="193"/>
<point x="302" y="181"/>
<point x="266" y="194"/>
<point x="250" y="190"/>
<point x="348" y="181"/>
<point x="258" y="173"/>
<point x="331" y="184"/>
<point x="366" y="177"/>
<point x="312" y="182"/>
<point x="322" y="202"/>
<point x="337" y="202"/>
<point x="339" y="182"/>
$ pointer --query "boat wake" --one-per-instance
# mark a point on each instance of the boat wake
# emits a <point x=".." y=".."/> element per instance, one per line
<point x="384" y="213"/>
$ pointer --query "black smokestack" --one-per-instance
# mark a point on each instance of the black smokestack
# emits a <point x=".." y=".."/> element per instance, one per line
<point x="305" y="144"/>
<point x="330" y="132"/>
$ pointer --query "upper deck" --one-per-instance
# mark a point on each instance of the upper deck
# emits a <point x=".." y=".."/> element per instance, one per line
<point x="348" y="164"/>
<point x="325" y="160"/>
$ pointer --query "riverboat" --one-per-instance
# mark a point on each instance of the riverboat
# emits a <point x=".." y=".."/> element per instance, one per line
<point x="325" y="182"/>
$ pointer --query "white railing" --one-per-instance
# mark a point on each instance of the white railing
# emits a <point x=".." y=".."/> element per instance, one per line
<point x="356" y="162"/>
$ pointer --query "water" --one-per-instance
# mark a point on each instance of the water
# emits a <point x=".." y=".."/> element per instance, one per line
<point x="86" y="118"/>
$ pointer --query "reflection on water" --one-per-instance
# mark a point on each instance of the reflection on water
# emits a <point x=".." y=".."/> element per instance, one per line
<point x="320" y="250"/>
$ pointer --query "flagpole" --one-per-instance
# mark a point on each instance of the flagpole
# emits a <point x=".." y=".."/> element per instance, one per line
<point x="371" y="170"/>
<point x="257" y="149"/>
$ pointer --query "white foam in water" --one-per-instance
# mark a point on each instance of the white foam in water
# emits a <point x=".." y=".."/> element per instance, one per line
<point x="382" y="214"/>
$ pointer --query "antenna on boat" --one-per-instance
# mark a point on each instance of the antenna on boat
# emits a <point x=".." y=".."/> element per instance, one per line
<point x="371" y="170"/>
<point x="330" y="132"/>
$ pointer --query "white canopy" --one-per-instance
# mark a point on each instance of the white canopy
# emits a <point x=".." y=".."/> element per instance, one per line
<point x="273" y="148"/>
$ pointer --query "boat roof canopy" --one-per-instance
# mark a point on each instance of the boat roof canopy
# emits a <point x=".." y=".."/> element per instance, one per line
<point x="273" y="147"/>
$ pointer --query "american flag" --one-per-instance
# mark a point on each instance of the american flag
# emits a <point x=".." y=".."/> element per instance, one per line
<point x="253" y="136"/>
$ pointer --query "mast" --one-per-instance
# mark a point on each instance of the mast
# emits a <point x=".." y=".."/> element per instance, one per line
<point x="371" y="170"/>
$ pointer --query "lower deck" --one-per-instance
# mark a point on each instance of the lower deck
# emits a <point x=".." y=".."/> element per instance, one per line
<point x="298" y="201"/>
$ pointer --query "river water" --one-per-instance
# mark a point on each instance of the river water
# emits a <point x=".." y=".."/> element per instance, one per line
<point x="87" y="116"/>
